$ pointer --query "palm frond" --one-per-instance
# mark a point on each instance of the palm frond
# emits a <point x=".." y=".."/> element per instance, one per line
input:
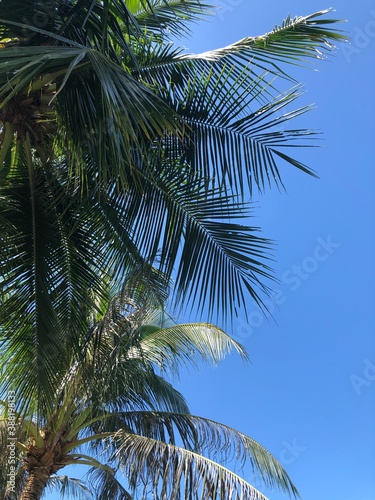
<point x="237" y="141"/>
<point x="169" y="471"/>
<point x="117" y="377"/>
<point x="146" y="449"/>
<point x="231" y="104"/>
<point x="69" y="487"/>
<point x="167" y="348"/>
<point x="126" y="382"/>
<point x="215" y="441"/>
<point x="168" y="17"/>
<point x="105" y="485"/>
<point x="296" y="39"/>
<point x="198" y="226"/>
<point x="48" y="285"/>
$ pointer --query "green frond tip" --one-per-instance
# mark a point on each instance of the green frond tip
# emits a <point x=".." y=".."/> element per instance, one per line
<point x="183" y="344"/>
<point x="294" y="40"/>
<point x="305" y="36"/>
<point x="169" y="17"/>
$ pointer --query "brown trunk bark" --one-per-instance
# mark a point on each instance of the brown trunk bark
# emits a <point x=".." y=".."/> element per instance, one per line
<point x="35" y="484"/>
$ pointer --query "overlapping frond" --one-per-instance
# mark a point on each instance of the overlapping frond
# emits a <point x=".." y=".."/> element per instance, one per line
<point x="106" y="485"/>
<point x="113" y="404"/>
<point x="169" y="471"/>
<point x="48" y="280"/>
<point x="69" y="487"/>
<point x="200" y="228"/>
<point x="98" y="92"/>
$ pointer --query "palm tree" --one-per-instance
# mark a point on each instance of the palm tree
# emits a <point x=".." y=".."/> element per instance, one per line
<point x="114" y="411"/>
<point x="120" y="150"/>
<point x="152" y="120"/>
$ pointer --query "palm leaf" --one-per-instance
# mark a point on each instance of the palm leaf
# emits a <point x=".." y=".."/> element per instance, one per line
<point x="213" y="89"/>
<point x="105" y="485"/>
<point x="296" y="39"/>
<point x="215" y="441"/>
<point x="48" y="282"/>
<point x="69" y="487"/>
<point x="217" y="253"/>
<point x="175" y="473"/>
<point x="168" y="347"/>
<point x="237" y="143"/>
<point x="168" y="17"/>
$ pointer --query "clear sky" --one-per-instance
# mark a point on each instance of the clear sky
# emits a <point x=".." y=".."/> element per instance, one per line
<point x="309" y="394"/>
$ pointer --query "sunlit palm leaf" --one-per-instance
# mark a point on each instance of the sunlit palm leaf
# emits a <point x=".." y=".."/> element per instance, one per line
<point x="292" y="42"/>
<point x="176" y="473"/>
<point x="208" y="438"/>
<point x="168" y="347"/>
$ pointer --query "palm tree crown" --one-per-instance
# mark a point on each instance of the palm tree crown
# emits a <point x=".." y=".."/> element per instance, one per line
<point x="115" y="412"/>
<point x="121" y="152"/>
<point x="98" y="104"/>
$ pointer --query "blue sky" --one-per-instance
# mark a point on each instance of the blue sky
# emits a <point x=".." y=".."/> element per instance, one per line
<point x="309" y="394"/>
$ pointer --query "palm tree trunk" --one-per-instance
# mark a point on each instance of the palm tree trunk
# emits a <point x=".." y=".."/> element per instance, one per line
<point x="35" y="484"/>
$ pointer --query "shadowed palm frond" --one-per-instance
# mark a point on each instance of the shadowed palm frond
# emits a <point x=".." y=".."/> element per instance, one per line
<point x="168" y="17"/>
<point x="214" y="441"/>
<point x="69" y="487"/>
<point x="50" y="282"/>
<point x="173" y="472"/>
<point x="106" y="485"/>
<point x="219" y="258"/>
